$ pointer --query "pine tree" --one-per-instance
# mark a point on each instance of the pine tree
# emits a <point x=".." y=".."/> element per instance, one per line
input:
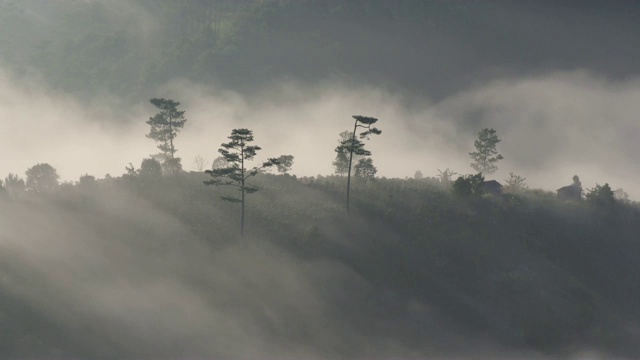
<point x="486" y="154"/>
<point x="355" y="146"/>
<point x="165" y="125"/>
<point x="236" y="153"/>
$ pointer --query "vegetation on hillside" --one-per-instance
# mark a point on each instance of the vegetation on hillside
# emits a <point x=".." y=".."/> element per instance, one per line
<point x="423" y="262"/>
<point x="522" y="271"/>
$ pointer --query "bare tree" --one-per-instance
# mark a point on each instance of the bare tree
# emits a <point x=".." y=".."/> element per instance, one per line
<point x="199" y="163"/>
<point x="446" y="176"/>
<point x="515" y="183"/>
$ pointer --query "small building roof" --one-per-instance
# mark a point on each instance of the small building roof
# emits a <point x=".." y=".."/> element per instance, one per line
<point x="571" y="187"/>
<point x="492" y="183"/>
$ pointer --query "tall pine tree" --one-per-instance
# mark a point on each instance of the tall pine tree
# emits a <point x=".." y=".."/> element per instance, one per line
<point x="236" y="153"/>
<point x="165" y="125"/>
<point x="355" y="146"/>
<point x="486" y="155"/>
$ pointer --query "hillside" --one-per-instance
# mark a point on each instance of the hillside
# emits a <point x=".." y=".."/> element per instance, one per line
<point x="136" y="266"/>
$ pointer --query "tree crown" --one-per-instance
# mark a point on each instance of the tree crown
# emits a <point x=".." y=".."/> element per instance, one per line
<point x="601" y="195"/>
<point x="165" y="126"/>
<point x="41" y="177"/>
<point x="365" y="170"/>
<point x="486" y="154"/>
<point x="236" y="152"/>
<point x="285" y="162"/>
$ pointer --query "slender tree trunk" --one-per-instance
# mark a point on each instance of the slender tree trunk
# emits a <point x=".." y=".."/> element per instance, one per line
<point x="171" y="136"/>
<point x="242" y="189"/>
<point x="171" y="149"/>
<point x="353" y="140"/>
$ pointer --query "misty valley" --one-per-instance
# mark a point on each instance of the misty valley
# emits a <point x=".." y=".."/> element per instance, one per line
<point x="319" y="179"/>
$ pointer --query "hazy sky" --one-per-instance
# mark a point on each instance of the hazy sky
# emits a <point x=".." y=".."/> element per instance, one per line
<point x="552" y="127"/>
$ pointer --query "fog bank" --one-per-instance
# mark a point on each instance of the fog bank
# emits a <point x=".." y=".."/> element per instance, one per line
<point x="551" y="126"/>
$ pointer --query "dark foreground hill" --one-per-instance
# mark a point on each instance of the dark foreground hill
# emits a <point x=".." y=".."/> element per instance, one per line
<point x="134" y="267"/>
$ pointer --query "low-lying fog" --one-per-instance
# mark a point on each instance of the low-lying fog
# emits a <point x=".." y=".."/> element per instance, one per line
<point x="129" y="280"/>
<point x="552" y="127"/>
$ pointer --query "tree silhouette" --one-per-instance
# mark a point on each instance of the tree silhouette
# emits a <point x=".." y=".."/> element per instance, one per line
<point x="285" y="162"/>
<point x="341" y="162"/>
<point x="237" y="152"/>
<point x="576" y="181"/>
<point x="199" y="163"/>
<point x="365" y="169"/>
<point x="14" y="185"/>
<point x="41" y="178"/>
<point x="601" y="195"/>
<point x="468" y="185"/>
<point x="219" y="162"/>
<point x="621" y="196"/>
<point x="577" y="184"/>
<point x="150" y="169"/>
<point x="515" y="183"/>
<point x="355" y="146"/>
<point x="486" y="154"/>
<point x="446" y="176"/>
<point x="86" y="180"/>
<point x="165" y="125"/>
<point x="131" y="171"/>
